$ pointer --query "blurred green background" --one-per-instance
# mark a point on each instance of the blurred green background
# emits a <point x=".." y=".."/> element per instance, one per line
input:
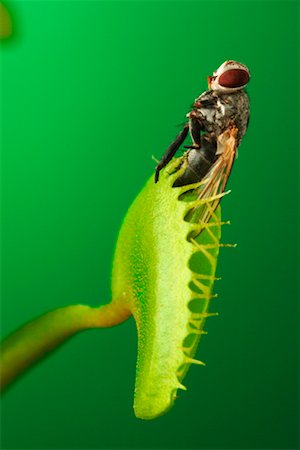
<point x="90" y="91"/>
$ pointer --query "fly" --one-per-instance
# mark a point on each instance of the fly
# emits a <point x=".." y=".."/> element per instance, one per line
<point x="217" y="122"/>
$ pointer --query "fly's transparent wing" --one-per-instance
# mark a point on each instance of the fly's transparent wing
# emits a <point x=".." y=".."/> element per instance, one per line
<point x="212" y="187"/>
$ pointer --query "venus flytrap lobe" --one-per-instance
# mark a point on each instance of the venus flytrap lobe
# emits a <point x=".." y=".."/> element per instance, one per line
<point x="161" y="276"/>
<point x="167" y="279"/>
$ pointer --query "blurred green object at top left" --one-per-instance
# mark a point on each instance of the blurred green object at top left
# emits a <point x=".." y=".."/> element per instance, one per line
<point x="5" y="22"/>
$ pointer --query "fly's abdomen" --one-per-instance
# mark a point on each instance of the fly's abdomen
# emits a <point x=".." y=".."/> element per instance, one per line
<point x="199" y="161"/>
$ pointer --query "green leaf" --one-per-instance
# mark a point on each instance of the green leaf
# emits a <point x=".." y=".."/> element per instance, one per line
<point x="166" y="278"/>
<point x="163" y="273"/>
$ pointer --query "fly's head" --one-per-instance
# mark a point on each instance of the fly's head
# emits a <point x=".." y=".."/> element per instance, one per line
<point x="231" y="76"/>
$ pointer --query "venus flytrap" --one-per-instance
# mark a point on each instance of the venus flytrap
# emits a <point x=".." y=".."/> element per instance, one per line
<point x="166" y="255"/>
<point x="163" y="274"/>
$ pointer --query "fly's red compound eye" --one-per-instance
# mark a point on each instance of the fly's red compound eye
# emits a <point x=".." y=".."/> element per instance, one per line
<point x="234" y="78"/>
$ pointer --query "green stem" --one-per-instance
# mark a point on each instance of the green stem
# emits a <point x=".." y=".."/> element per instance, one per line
<point x="40" y="336"/>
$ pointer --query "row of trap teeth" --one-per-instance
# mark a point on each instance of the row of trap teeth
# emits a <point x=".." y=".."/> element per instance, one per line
<point x="201" y="291"/>
<point x="196" y="322"/>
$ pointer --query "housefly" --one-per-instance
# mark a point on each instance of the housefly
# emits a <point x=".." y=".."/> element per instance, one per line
<point x="217" y="123"/>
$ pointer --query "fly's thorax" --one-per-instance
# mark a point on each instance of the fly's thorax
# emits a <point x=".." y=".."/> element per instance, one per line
<point x="219" y="111"/>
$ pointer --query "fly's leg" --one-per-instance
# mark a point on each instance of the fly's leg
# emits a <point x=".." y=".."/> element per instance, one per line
<point x="171" y="150"/>
<point x="195" y="132"/>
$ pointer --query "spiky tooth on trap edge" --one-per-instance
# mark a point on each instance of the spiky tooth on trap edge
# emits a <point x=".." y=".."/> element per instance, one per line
<point x="189" y="360"/>
<point x="181" y="386"/>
